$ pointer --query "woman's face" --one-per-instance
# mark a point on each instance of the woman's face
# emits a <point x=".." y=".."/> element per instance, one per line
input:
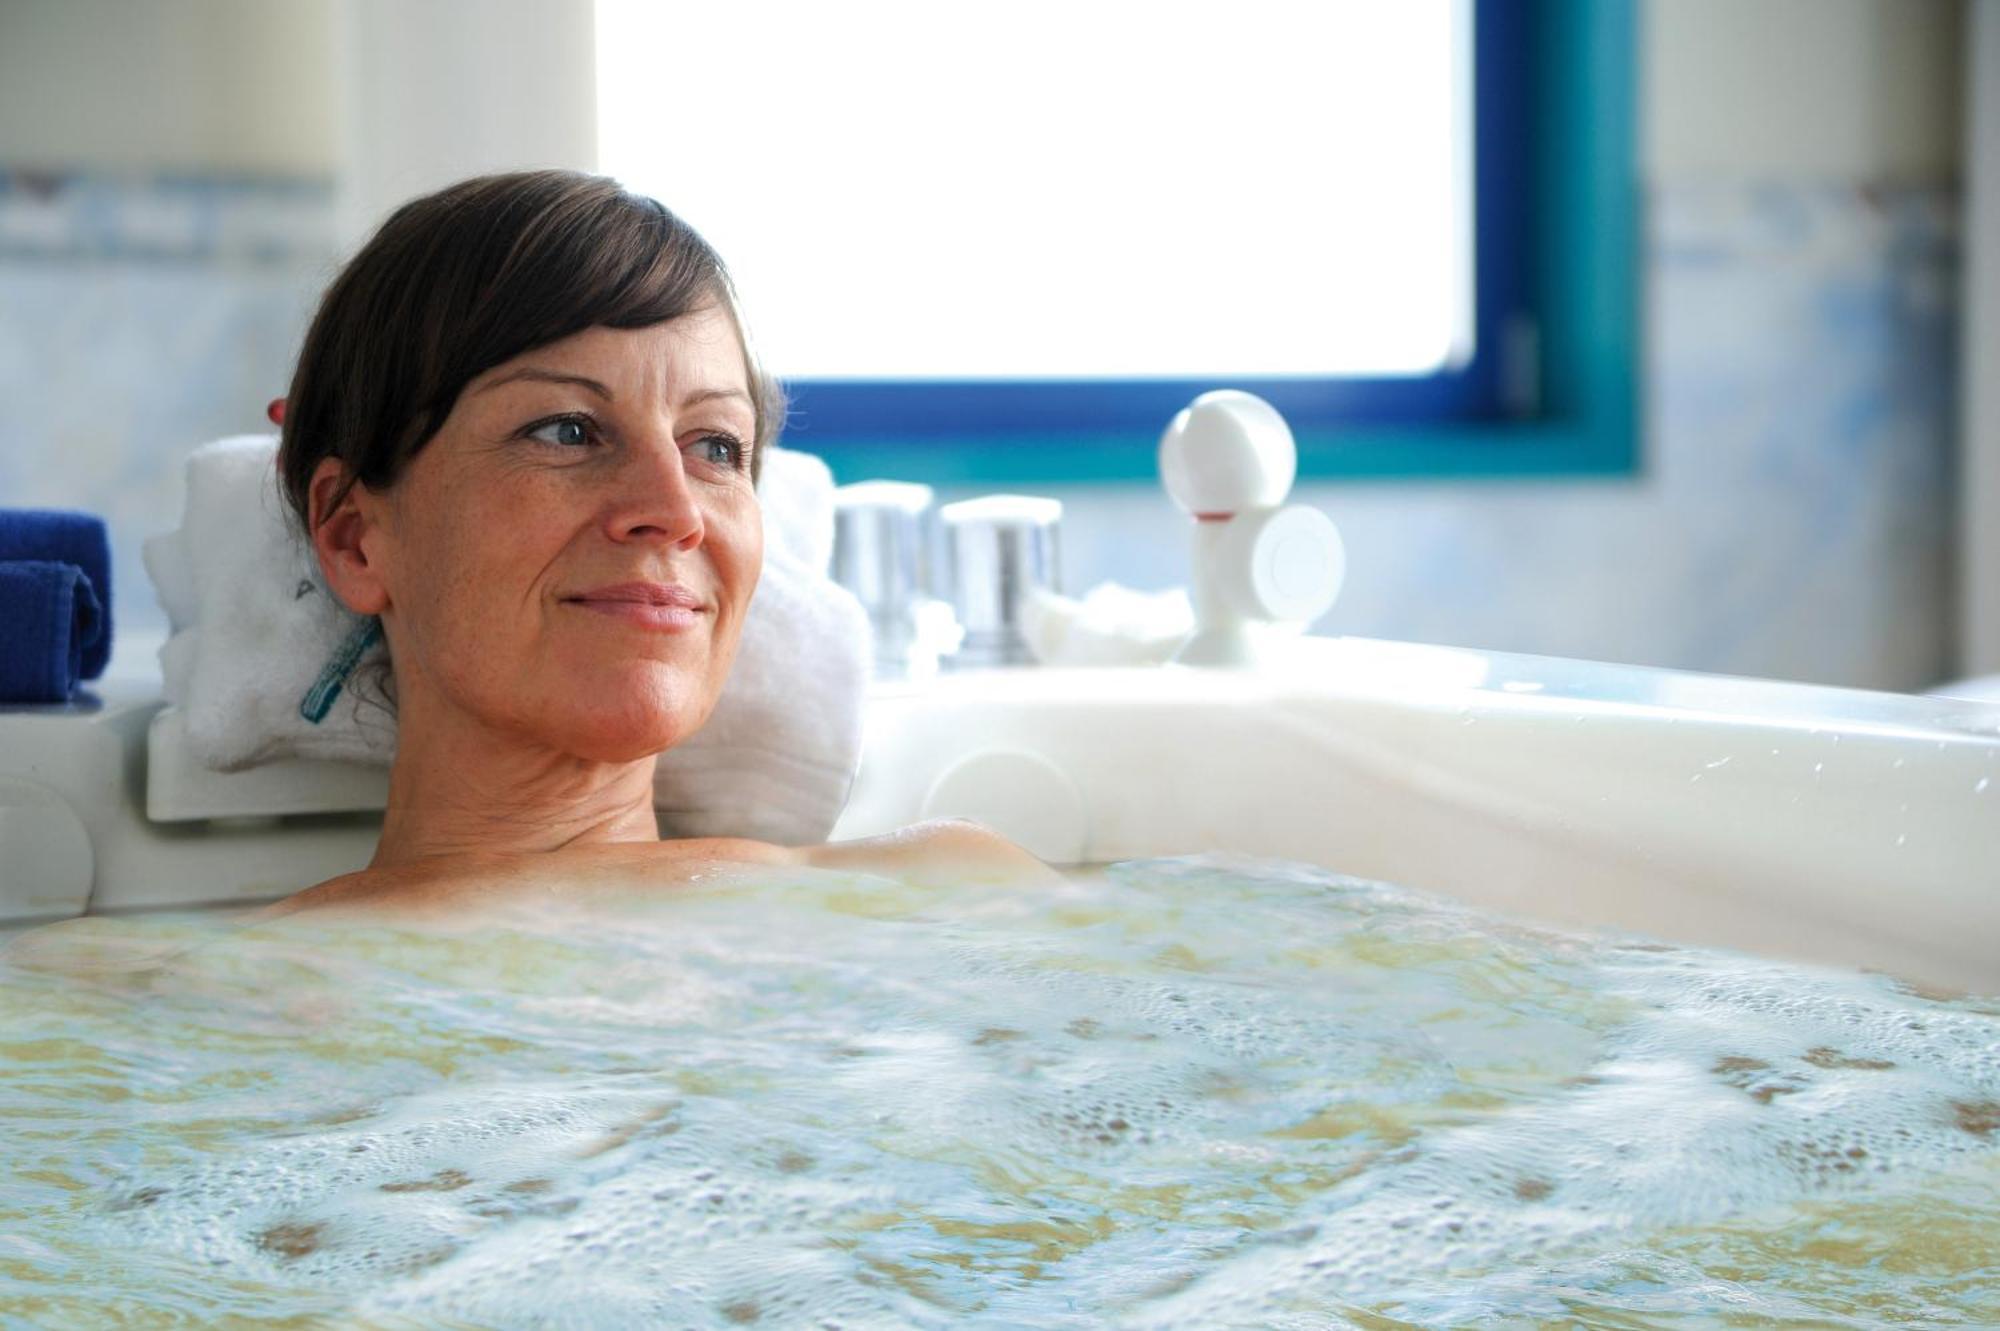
<point x="570" y="558"/>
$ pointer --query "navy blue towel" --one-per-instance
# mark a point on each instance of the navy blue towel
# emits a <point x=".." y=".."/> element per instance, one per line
<point x="49" y="621"/>
<point x="59" y="537"/>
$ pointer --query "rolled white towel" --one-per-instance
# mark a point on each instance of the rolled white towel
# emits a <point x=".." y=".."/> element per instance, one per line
<point x="172" y="574"/>
<point x="267" y="627"/>
<point x="796" y="492"/>
<point x="776" y="757"/>
<point x="1112" y="625"/>
<point x="177" y="665"/>
<point x="263" y="640"/>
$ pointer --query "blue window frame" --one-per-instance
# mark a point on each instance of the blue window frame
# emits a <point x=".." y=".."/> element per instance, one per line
<point x="1549" y="389"/>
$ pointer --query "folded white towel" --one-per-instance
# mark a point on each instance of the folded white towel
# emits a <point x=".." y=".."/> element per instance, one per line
<point x="776" y="757"/>
<point x="172" y="572"/>
<point x="263" y="625"/>
<point x="257" y="631"/>
<point x="1111" y="626"/>
<point x="796" y="494"/>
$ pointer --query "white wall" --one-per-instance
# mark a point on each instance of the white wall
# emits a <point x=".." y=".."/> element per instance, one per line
<point x="443" y="89"/>
<point x="391" y="97"/>
<point x="1848" y="90"/>
<point x="164" y="85"/>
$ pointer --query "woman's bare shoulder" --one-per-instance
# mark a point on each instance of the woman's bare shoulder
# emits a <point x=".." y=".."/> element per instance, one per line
<point x="953" y="849"/>
<point x="466" y="880"/>
<point x="957" y="848"/>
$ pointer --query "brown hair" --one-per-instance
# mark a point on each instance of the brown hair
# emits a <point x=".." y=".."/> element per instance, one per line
<point x="462" y="280"/>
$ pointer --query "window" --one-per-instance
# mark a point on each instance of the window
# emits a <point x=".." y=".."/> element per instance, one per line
<point x="1007" y="244"/>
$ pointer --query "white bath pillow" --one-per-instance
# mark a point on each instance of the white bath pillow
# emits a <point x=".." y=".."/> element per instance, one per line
<point x="266" y="664"/>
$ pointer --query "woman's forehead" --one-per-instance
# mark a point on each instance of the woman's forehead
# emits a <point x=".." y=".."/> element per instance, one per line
<point x="698" y="354"/>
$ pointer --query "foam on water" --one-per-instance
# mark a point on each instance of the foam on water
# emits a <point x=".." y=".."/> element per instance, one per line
<point x="1200" y="1092"/>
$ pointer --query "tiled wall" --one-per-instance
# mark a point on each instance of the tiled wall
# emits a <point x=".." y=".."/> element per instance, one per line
<point x="139" y="317"/>
<point x="1792" y="519"/>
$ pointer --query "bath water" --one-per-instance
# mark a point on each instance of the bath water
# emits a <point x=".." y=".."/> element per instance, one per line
<point x="1201" y="1092"/>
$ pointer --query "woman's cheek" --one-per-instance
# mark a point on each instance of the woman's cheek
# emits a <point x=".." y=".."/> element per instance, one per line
<point x="501" y="542"/>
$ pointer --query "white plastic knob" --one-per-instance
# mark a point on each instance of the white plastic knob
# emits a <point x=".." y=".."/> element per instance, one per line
<point x="1283" y="564"/>
<point x="46" y="865"/>
<point x="1022" y="796"/>
<point x="1227" y="451"/>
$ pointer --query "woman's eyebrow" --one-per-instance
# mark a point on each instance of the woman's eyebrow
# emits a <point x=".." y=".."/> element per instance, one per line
<point x="529" y="372"/>
<point x="701" y="395"/>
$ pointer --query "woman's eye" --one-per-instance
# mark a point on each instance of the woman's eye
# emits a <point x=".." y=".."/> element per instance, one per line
<point x="723" y="450"/>
<point x="564" y="432"/>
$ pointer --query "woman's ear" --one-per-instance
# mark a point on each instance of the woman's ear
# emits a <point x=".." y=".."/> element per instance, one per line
<point x="345" y="522"/>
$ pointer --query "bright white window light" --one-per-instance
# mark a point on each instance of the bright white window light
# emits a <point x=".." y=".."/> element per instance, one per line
<point x="1055" y="190"/>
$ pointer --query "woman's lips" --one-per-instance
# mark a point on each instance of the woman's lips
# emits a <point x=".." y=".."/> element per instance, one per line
<point x="667" y="607"/>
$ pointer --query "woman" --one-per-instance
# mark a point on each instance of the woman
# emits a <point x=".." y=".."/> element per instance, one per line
<point x="525" y="431"/>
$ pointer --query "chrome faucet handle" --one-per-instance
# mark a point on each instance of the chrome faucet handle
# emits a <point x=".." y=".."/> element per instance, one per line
<point x="880" y="553"/>
<point x="1002" y="547"/>
<point x="1229" y="460"/>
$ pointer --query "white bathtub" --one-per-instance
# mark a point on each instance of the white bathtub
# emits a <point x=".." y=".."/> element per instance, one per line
<point x="1829" y="825"/>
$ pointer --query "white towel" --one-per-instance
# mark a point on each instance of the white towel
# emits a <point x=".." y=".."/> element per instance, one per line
<point x="775" y="759"/>
<point x="255" y="628"/>
<point x="260" y="624"/>
<point x="1111" y="626"/>
<point x="796" y="494"/>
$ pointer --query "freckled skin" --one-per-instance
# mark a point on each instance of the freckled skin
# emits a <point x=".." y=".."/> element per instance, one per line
<point x="529" y="721"/>
<point x="947" y="850"/>
<point x="486" y="532"/>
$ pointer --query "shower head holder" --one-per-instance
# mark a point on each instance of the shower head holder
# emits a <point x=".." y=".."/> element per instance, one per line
<point x="1259" y="565"/>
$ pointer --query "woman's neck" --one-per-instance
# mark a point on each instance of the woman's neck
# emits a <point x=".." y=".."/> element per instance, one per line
<point x="460" y="788"/>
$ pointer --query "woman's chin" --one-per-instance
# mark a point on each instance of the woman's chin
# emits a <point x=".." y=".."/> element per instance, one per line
<point x="620" y="738"/>
<point x="625" y="720"/>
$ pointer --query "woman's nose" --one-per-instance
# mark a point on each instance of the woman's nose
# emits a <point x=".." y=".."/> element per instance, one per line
<point x="653" y="499"/>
